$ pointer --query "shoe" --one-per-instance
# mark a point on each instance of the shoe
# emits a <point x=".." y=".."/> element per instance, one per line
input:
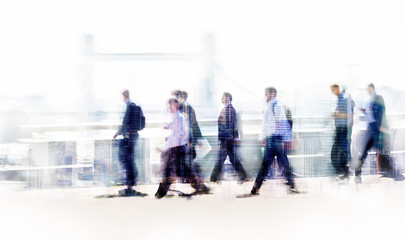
<point x="342" y="179"/>
<point x="388" y="175"/>
<point x="357" y="168"/>
<point x="399" y="177"/>
<point x="204" y="190"/>
<point x="161" y="192"/>
<point x="292" y="189"/>
<point x="243" y="180"/>
<point x="127" y="192"/>
<point x="122" y="191"/>
<point x="357" y="179"/>
<point x="254" y="191"/>
<point x="159" y="195"/>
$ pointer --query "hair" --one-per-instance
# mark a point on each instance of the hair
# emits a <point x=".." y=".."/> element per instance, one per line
<point x="334" y="86"/>
<point x="173" y="101"/>
<point x="178" y="94"/>
<point x="272" y="90"/>
<point x="228" y="96"/>
<point x="125" y="93"/>
<point x="184" y="95"/>
<point x="371" y="86"/>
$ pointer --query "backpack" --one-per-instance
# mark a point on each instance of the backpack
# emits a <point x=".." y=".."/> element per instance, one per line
<point x="140" y="119"/>
<point x="288" y="114"/>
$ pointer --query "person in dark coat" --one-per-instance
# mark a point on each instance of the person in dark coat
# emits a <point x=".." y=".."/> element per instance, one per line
<point x="127" y="144"/>
<point x="228" y="137"/>
<point x="376" y="135"/>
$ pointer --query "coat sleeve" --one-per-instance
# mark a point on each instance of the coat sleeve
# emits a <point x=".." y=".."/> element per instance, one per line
<point x="234" y="124"/>
<point x="378" y="108"/>
<point x="196" y="132"/>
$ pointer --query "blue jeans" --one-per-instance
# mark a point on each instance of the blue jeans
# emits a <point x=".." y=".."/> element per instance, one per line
<point x="274" y="148"/>
<point x="371" y="140"/>
<point x="127" y="159"/>
<point x="227" y="148"/>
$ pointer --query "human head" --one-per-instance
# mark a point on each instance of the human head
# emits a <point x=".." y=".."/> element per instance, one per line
<point x="335" y="89"/>
<point x="125" y="95"/>
<point x="178" y="94"/>
<point x="173" y="105"/>
<point x="184" y="95"/>
<point x="226" y="97"/>
<point x="271" y="93"/>
<point x="371" y="89"/>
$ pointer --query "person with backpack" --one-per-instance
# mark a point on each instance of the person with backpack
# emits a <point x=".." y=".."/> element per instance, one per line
<point x="276" y="133"/>
<point x="133" y="122"/>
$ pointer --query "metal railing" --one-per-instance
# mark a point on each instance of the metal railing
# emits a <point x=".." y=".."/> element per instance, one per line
<point x="46" y="165"/>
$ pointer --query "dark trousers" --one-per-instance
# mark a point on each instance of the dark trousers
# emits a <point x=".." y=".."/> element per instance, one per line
<point x="173" y="164"/>
<point x="227" y="148"/>
<point x="127" y="159"/>
<point x="274" y="148"/>
<point x="340" y="153"/>
<point x="370" y="141"/>
<point x="193" y="166"/>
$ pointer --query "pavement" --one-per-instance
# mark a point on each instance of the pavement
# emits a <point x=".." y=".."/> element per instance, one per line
<point x="324" y="209"/>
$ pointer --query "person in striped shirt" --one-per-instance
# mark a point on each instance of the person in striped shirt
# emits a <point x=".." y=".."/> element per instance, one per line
<point x="276" y="135"/>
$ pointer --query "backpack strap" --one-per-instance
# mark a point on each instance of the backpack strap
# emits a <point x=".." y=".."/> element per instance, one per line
<point x="272" y="107"/>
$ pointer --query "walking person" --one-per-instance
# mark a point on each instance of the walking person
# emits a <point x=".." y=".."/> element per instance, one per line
<point x="276" y="134"/>
<point x="133" y="121"/>
<point x="340" y="152"/>
<point x="228" y="137"/>
<point x="376" y="136"/>
<point x="195" y="136"/>
<point x="173" y="153"/>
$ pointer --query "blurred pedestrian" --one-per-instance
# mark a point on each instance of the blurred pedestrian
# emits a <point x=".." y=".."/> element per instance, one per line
<point x="228" y="137"/>
<point x="276" y="132"/>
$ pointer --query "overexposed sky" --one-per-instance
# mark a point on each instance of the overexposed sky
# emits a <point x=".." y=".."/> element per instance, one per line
<point x="289" y="44"/>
